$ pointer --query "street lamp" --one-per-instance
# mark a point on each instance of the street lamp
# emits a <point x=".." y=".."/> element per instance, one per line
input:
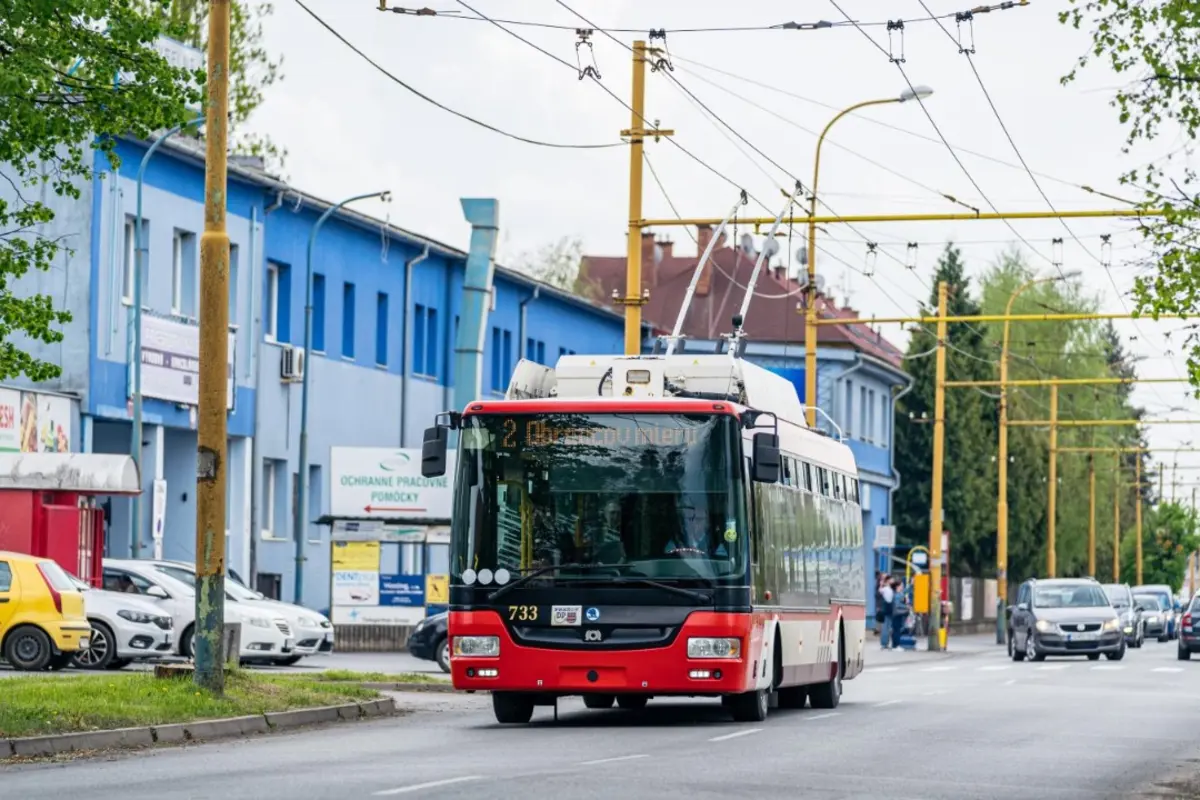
<point x="302" y="501"/>
<point x="135" y="362"/>
<point x="917" y="93"/>
<point x="1002" y="494"/>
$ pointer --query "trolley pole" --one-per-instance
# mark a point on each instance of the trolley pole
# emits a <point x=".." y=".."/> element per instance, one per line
<point x="637" y="132"/>
<point x="214" y="345"/>
<point x="935" y="494"/>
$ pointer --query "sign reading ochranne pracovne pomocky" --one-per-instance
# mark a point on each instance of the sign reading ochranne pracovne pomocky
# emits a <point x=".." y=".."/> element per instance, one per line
<point x="386" y="483"/>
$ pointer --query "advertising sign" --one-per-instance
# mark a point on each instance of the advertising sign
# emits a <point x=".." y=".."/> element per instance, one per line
<point x="386" y="483"/>
<point x="35" y="423"/>
<point x="356" y="573"/>
<point x="401" y="590"/>
<point x="171" y="361"/>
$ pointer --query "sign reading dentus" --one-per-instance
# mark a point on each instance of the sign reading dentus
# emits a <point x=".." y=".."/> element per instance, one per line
<point x="386" y="483"/>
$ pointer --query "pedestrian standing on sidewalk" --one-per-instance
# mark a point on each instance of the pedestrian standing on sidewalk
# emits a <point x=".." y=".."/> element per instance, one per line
<point x="880" y="618"/>
<point x="900" y="611"/>
<point x="887" y="597"/>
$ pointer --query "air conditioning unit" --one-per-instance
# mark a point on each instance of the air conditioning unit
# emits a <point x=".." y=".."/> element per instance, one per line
<point x="291" y="366"/>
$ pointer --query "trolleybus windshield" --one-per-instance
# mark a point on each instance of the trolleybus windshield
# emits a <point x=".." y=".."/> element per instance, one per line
<point x="658" y="496"/>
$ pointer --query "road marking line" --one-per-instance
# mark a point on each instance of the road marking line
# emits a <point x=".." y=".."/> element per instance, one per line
<point x="933" y="693"/>
<point x="735" y="735"/>
<point x="888" y="703"/>
<point x="416" y="787"/>
<point x="884" y="669"/>
<point x="1011" y="682"/>
<point x="824" y="716"/>
<point x="938" y="669"/>
<point x="610" y="760"/>
<point x="1052" y="667"/>
<point x="1109" y="667"/>
<point x="995" y="667"/>
<point x="1167" y="669"/>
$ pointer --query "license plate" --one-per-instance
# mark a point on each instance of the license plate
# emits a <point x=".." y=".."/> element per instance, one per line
<point x="84" y="643"/>
<point x="1082" y="637"/>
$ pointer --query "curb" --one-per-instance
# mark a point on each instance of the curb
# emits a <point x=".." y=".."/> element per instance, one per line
<point x="200" y="730"/>
<point x="400" y="686"/>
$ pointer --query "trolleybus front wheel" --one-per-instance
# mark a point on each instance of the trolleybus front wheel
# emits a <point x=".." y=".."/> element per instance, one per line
<point x="512" y="708"/>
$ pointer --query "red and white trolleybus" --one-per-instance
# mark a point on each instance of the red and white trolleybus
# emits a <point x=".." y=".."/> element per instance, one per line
<point x="651" y="526"/>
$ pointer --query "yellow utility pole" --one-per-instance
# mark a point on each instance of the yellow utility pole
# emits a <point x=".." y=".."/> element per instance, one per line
<point x="1052" y="511"/>
<point x="935" y="500"/>
<point x="214" y="345"/>
<point x="1117" y="518"/>
<point x="634" y="297"/>
<point x="1137" y="481"/>
<point x="1091" y="517"/>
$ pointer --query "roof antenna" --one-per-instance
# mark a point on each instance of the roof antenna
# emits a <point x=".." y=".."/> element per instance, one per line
<point x="691" y="290"/>
<point x="762" y="256"/>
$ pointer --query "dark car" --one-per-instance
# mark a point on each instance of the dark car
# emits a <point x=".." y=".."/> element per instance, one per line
<point x="1064" y="617"/>
<point x="1154" y="621"/>
<point x="1189" y="630"/>
<point x="429" y="641"/>
<point x="1121" y="597"/>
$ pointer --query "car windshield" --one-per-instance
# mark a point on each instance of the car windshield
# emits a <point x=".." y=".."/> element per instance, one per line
<point x="1148" y="603"/>
<point x="57" y="577"/>
<point x="1118" y="595"/>
<point x="661" y="495"/>
<point x="1069" y="597"/>
<point x="184" y="575"/>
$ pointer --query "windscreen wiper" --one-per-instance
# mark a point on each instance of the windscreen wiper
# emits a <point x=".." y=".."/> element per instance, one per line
<point x="524" y="579"/>
<point x="699" y="597"/>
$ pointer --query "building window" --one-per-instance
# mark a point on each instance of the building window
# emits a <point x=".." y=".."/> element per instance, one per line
<point x="129" y="262"/>
<point x="233" y="284"/>
<point x="412" y="561"/>
<point x="431" y="341"/>
<point x="535" y="350"/>
<point x="270" y="476"/>
<point x="278" y="305"/>
<point x="269" y="584"/>
<point x="871" y="417"/>
<point x="318" y="317"/>
<point x="495" y="359"/>
<point x="862" y="412"/>
<point x="184" y="281"/>
<point x="848" y="412"/>
<point x="562" y="351"/>
<point x="418" y="343"/>
<point x="312" y="533"/>
<point x="348" y="320"/>
<point x="381" y="328"/>
<point x="884" y="413"/>
<point x="508" y="359"/>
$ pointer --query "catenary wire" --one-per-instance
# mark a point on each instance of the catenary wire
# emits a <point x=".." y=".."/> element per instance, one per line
<point x="398" y="81"/>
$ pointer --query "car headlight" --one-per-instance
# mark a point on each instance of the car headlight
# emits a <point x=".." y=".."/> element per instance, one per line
<point x="259" y="622"/>
<point x="1111" y="624"/>
<point x="1152" y="619"/>
<point x="136" y="616"/>
<point x="308" y="622"/>
<point x="326" y="624"/>
<point x="714" y="648"/>
<point x="420" y="625"/>
<point x="476" y="645"/>
<point x="1044" y="626"/>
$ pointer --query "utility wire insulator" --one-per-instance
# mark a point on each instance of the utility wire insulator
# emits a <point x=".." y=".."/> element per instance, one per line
<point x="585" y="38"/>
<point x="967" y="17"/>
<point x="895" y="27"/>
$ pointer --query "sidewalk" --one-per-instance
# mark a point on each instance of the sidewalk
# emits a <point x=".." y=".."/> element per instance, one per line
<point x="956" y="646"/>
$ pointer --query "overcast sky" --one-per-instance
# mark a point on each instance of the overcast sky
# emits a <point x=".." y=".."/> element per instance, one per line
<point x="349" y="129"/>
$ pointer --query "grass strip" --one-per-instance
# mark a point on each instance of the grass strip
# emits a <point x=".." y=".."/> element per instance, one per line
<point x="42" y="705"/>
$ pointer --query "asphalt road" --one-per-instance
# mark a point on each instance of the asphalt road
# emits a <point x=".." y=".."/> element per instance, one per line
<point x="969" y="726"/>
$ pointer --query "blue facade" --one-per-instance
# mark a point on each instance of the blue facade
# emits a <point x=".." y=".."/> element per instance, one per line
<point x="385" y="320"/>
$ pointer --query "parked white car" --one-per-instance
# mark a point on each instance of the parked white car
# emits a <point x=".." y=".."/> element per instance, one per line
<point x="125" y="628"/>
<point x="266" y="636"/>
<point x="313" y="631"/>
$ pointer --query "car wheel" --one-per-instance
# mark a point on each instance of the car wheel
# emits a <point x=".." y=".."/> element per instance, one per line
<point x="512" y="708"/>
<point x="28" y="649"/>
<point x="1017" y="654"/>
<point x="1031" y="650"/>
<point x="60" y="661"/>
<point x="1183" y="654"/>
<point x="1093" y="656"/>
<point x="829" y="695"/>
<point x="443" y="654"/>
<point x="1118" y="654"/>
<point x="102" y="650"/>
<point x="287" y="662"/>
<point x="119" y="663"/>
<point x="1164" y="637"/>
<point x="632" y="702"/>
<point x="750" y="706"/>
<point x="186" y="641"/>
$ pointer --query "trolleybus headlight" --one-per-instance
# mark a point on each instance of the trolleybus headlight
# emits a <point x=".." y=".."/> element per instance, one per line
<point x="476" y="645"/>
<point x="714" y="648"/>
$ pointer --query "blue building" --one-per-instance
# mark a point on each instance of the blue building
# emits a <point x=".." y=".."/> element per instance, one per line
<point x="386" y="308"/>
<point x="859" y="373"/>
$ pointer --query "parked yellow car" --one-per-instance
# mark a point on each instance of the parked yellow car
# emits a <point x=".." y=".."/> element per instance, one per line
<point x="42" y="624"/>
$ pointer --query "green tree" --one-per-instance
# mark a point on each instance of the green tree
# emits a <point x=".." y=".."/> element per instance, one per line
<point x="58" y="103"/>
<point x="970" y="433"/>
<point x="1155" y="44"/>
<point x="1169" y="536"/>
<point x="253" y="70"/>
<point x="561" y="264"/>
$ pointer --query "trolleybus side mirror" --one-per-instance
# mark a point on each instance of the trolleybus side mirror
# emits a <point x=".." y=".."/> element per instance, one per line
<point x="433" y="452"/>
<point x="764" y="465"/>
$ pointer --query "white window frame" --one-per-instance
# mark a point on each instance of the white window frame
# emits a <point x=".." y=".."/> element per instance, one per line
<point x="270" y="477"/>
<point x="177" y="273"/>
<point x="270" y="330"/>
<point x="129" y="265"/>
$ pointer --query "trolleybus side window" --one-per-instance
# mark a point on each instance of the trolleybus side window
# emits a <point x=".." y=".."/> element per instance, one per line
<point x="787" y="471"/>
<point x="808" y="477"/>
<point x="837" y="486"/>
